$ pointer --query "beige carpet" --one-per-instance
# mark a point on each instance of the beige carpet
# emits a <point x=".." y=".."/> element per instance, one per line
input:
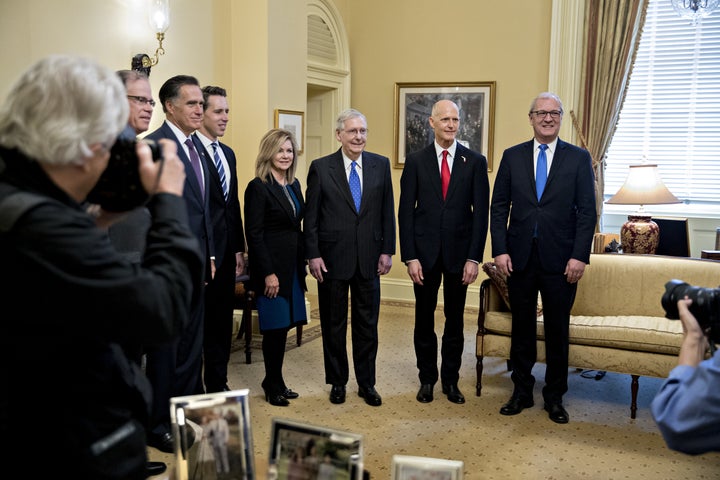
<point x="600" y="442"/>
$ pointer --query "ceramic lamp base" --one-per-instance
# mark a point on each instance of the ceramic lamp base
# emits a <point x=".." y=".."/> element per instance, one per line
<point x="639" y="235"/>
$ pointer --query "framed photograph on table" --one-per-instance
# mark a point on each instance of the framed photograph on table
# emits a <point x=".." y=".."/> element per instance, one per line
<point x="293" y="121"/>
<point x="213" y="436"/>
<point x="413" y="107"/>
<point x="300" y="450"/>
<point x="406" y="467"/>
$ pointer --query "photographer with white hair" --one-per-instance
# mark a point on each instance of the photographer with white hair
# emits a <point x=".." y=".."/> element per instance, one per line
<point x="71" y="301"/>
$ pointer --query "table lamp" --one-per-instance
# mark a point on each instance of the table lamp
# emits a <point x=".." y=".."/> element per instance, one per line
<point x="643" y="186"/>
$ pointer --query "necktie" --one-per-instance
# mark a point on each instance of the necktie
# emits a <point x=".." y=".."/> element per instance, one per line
<point x="195" y="162"/>
<point x="220" y="169"/>
<point x="445" y="173"/>
<point x="541" y="174"/>
<point x="355" y="189"/>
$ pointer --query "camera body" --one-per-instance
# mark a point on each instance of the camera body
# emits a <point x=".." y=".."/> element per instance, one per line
<point x="119" y="188"/>
<point x="705" y="305"/>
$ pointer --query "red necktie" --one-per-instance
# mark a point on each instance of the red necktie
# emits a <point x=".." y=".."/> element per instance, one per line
<point x="445" y="173"/>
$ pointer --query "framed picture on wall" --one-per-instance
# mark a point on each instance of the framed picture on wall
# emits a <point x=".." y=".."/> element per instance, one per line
<point x="413" y="106"/>
<point x="293" y="121"/>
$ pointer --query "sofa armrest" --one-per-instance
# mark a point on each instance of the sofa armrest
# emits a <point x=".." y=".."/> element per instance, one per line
<point x="490" y="301"/>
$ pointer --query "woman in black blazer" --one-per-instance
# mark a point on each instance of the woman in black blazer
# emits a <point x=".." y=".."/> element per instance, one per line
<point x="274" y="208"/>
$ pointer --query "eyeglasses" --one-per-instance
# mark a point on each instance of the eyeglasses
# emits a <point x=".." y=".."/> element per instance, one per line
<point x="362" y="131"/>
<point x="554" y="114"/>
<point x="142" y="100"/>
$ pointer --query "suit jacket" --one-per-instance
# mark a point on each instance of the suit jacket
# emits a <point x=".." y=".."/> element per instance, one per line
<point x="454" y="228"/>
<point x="565" y="214"/>
<point x="225" y="215"/>
<point x="197" y="205"/>
<point x="344" y="238"/>
<point x="274" y="235"/>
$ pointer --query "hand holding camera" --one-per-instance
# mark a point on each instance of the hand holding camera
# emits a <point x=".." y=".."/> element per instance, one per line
<point x="167" y="176"/>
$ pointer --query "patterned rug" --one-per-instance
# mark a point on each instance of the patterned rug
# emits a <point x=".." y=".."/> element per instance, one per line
<point x="310" y="332"/>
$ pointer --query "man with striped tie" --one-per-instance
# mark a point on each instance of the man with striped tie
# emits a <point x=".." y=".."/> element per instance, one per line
<point x="229" y="260"/>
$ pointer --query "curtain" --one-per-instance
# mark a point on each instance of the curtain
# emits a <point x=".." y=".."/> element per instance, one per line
<point x="612" y="36"/>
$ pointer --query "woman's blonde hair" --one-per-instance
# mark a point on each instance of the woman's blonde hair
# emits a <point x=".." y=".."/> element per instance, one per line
<point x="269" y="147"/>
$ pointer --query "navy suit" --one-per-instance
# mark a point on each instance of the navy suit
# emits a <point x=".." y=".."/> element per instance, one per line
<point x="442" y="234"/>
<point x="175" y="369"/>
<point x="564" y="219"/>
<point x="350" y="244"/>
<point x="229" y="238"/>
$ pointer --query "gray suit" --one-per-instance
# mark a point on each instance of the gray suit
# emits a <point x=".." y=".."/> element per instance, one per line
<point x="350" y="244"/>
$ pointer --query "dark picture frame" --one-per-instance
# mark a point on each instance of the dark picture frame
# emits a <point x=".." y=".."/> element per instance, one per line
<point x="413" y="106"/>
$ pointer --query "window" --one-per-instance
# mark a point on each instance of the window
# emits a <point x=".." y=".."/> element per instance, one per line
<point x="671" y="114"/>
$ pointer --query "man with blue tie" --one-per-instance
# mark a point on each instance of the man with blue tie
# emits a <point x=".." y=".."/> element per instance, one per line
<point x="229" y="260"/>
<point x="176" y="369"/>
<point x="542" y="222"/>
<point x="349" y="230"/>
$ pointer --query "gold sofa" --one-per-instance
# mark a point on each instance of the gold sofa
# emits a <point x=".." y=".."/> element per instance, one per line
<point x="618" y="323"/>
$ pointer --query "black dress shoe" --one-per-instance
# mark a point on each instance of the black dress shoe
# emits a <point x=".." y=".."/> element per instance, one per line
<point x="289" y="394"/>
<point x="425" y="394"/>
<point x="516" y="405"/>
<point x="276" y="399"/>
<point x="163" y="442"/>
<point x="371" y="396"/>
<point x="453" y="393"/>
<point x="557" y="413"/>
<point x="337" y="394"/>
<point x="154" y="468"/>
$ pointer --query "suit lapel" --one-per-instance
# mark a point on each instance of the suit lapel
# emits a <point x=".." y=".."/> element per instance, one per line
<point x="337" y="173"/>
<point x="429" y="169"/>
<point x="276" y="192"/>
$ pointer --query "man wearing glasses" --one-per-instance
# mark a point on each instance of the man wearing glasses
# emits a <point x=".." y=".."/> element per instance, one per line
<point x="350" y="239"/>
<point x="542" y="221"/>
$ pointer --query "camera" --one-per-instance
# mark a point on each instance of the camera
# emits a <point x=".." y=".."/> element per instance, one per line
<point x="705" y="305"/>
<point x="119" y="188"/>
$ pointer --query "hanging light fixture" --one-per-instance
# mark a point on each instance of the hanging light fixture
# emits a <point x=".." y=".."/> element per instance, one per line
<point x="159" y="18"/>
<point x="694" y="10"/>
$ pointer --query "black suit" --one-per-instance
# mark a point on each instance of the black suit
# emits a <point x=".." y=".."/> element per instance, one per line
<point x="176" y="369"/>
<point x="350" y="244"/>
<point x="564" y="219"/>
<point x="220" y="291"/>
<point x="442" y="234"/>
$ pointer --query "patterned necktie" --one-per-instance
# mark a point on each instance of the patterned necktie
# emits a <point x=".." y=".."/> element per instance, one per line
<point x="445" y="173"/>
<point x="355" y="186"/>
<point x="541" y="174"/>
<point x="220" y="170"/>
<point x="195" y="162"/>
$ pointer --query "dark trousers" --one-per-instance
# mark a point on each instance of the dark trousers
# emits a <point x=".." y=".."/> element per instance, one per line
<point x="425" y="339"/>
<point x="218" y="325"/>
<point x="364" y="311"/>
<point x="273" y="347"/>
<point x="557" y="297"/>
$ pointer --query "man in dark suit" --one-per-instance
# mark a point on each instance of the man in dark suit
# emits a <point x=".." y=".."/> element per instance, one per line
<point x="175" y="369"/>
<point x="542" y="224"/>
<point x="443" y="220"/>
<point x="229" y="260"/>
<point x="350" y="240"/>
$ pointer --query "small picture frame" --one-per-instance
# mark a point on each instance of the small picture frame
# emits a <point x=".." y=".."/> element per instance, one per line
<point x="301" y="450"/>
<point x="406" y="467"/>
<point x="220" y="425"/>
<point x="295" y="122"/>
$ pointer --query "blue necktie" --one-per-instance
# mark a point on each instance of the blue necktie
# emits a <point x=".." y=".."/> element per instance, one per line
<point x="220" y="169"/>
<point x="541" y="174"/>
<point x="355" y="186"/>
<point x="195" y="162"/>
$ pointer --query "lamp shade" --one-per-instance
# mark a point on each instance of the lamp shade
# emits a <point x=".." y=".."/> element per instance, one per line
<point x="159" y="15"/>
<point x="643" y="186"/>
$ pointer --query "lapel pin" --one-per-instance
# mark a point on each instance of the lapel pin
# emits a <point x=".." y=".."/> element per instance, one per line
<point x="464" y="161"/>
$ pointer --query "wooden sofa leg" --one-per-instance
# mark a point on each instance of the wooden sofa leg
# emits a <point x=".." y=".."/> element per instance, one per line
<point x="634" y="384"/>
<point x="479" y="371"/>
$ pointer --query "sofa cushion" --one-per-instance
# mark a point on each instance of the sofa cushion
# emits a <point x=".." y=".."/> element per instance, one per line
<point x="639" y="333"/>
<point x="500" y="282"/>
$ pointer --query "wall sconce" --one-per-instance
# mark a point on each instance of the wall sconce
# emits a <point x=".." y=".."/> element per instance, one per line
<point x="694" y="10"/>
<point x="643" y="186"/>
<point x="159" y="17"/>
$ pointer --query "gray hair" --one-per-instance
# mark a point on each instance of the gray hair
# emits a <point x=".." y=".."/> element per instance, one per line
<point x="60" y="106"/>
<point x="346" y="115"/>
<point x="546" y="95"/>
